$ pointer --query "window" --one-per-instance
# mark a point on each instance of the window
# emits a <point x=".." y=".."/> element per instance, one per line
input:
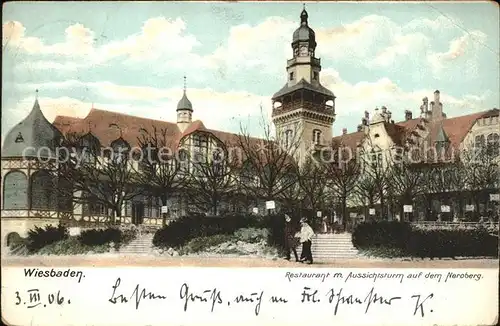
<point x="377" y="135"/>
<point x="15" y="189"/>
<point x="493" y="144"/>
<point x="291" y="76"/>
<point x="317" y="137"/>
<point x="315" y="75"/>
<point x="480" y="142"/>
<point x="19" y="138"/>
<point x="288" y="138"/>
<point x="183" y="161"/>
<point x="95" y="209"/>
<point x="120" y="151"/>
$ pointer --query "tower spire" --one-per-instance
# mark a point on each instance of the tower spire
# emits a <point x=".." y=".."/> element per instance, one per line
<point x="303" y="15"/>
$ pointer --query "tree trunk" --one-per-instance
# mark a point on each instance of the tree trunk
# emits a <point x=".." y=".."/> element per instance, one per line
<point x="344" y="211"/>
<point x="163" y="200"/>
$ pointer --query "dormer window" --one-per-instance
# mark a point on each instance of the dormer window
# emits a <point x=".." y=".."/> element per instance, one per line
<point x="317" y="137"/>
<point x="19" y="138"/>
<point x="291" y="75"/>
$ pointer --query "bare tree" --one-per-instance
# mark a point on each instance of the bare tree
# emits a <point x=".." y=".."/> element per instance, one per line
<point x="271" y="159"/>
<point x="482" y="174"/>
<point x="343" y="175"/>
<point x="211" y="180"/>
<point x="97" y="175"/>
<point x="159" y="170"/>
<point x="406" y="182"/>
<point x="312" y="179"/>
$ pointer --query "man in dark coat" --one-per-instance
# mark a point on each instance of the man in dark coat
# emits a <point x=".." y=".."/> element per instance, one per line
<point x="290" y="240"/>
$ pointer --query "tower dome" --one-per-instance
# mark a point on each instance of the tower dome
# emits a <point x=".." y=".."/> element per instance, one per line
<point x="184" y="103"/>
<point x="304" y="33"/>
<point x="34" y="136"/>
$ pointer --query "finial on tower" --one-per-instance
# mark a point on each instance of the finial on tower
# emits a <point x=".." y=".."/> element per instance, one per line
<point x="184" y="84"/>
<point x="303" y="15"/>
<point x="36" y="94"/>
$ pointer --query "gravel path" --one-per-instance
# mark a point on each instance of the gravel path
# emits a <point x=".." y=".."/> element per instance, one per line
<point x="107" y="260"/>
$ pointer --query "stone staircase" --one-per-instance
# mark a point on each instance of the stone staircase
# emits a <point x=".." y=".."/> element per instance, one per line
<point x="140" y="245"/>
<point x="18" y="250"/>
<point x="330" y="246"/>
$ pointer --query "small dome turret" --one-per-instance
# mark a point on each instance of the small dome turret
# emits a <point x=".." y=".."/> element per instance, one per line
<point x="184" y="103"/>
<point x="34" y="136"/>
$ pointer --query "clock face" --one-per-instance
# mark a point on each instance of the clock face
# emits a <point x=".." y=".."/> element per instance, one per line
<point x="304" y="51"/>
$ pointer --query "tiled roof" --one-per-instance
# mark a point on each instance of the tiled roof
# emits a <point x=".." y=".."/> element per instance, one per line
<point x="349" y="140"/>
<point x="454" y="128"/>
<point x="303" y="84"/>
<point x="101" y="124"/>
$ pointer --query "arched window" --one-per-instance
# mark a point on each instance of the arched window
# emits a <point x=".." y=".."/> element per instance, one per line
<point x="493" y="143"/>
<point x="43" y="194"/>
<point x="120" y="149"/>
<point x="479" y="141"/>
<point x="64" y="196"/>
<point x="183" y="160"/>
<point x="317" y="136"/>
<point x="200" y="144"/>
<point x="15" y="191"/>
<point x="89" y="148"/>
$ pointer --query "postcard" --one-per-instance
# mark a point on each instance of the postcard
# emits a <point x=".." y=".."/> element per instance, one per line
<point x="270" y="163"/>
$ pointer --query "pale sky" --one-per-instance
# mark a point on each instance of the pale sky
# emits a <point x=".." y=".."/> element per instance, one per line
<point x="130" y="57"/>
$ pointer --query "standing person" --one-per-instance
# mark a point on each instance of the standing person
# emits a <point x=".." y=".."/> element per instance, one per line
<point x="306" y="235"/>
<point x="325" y="224"/>
<point x="290" y="242"/>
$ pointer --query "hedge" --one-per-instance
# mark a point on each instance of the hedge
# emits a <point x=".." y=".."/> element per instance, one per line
<point x="432" y="243"/>
<point x="180" y="231"/>
<point x="100" y="237"/>
<point x="40" y="237"/>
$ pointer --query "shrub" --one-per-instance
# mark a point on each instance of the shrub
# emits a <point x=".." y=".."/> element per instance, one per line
<point x="71" y="246"/>
<point x="41" y="237"/>
<point x="391" y="234"/>
<point x="404" y="240"/>
<point x="202" y="243"/>
<point x="100" y="237"/>
<point x="180" y="231"/>
<point x="186" y="228"/>
<point x="251" y="235"/>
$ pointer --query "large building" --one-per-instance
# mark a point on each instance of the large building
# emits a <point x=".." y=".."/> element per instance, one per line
<point x="303" y="112"/>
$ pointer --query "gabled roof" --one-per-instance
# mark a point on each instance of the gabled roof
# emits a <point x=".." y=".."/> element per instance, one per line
<point x="349" y="140"/>
<point x="303" y="84"/>
<point x="453" y="129"/>
<point x="102" y="123"/>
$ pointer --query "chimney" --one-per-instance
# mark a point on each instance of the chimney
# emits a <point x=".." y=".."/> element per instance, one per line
<point x="437" y="107"/>
<point x="408" y="115"/>
<point x="367" y="115"/>
<point x="389" y="115"/>
<point x="360" y="127"/>
<point x="344" y="131"/>
<point x="364" y="121"/>
<point x="436" y="96"/>
<point x="384" y="110"/>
